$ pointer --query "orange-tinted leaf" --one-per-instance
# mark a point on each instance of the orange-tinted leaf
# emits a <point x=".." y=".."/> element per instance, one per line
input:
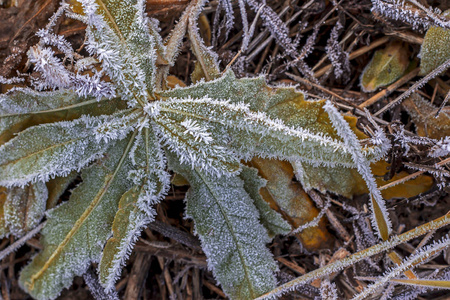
<point x="422" y="113"/>
<point x="288" y="197"/>
<point x="205" y="29"/>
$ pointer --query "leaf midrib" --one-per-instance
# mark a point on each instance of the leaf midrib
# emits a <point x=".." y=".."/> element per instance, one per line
<point x="52" y="110"/>
<point x="228" y="223"/>
<point x="122" y="39"/>
<point x="40" y="151"/>
<point x="85" y="215"/>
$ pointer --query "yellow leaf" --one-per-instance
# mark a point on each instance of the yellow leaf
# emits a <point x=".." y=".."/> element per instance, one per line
<point x="435" y="49"/>
<point x="386" y="66"/>
<point x="178" y="180"/>
<point x="205" y="29"/>
<point x="289" y="198"/>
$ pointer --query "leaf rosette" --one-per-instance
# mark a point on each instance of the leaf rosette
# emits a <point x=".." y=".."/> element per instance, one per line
<point x="125" y="142"/>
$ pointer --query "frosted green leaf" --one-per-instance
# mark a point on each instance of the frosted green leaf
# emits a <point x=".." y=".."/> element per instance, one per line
<point x="118" y="33"/>
<point x="435" y="48"/>
<point x="25" y="207"/>
<point x="135" y="207"/>
<point x="128" y="223"/>
<point x="207" y="129"/>
<point x="279" y="103"/>
<point x="48" y="150"/>
<point x="285" y="103"/>
<point x="214" y="157"/>
<point x="77" y="230"/>
<point x="387" y="65"/>
<point x="335" y="180"/>
<point x="206" y="66"/>
<point x="22" y="108"/>
<point x="149" y="171"/>
<point x="233" y="239"/>
<point x="272" y="220"/>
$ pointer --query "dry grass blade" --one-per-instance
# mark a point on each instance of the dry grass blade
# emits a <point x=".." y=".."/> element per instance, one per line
<point x="354" y="258"/>
<point x="415" y="259"/>
<point x="414" y="87"/>
<point x="438" y="284"/>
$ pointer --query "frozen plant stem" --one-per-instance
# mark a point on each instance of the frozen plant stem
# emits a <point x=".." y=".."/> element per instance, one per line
<point x="354" y="258"/>
<point x="380" y="218"/>
<point x="17" y="244"/>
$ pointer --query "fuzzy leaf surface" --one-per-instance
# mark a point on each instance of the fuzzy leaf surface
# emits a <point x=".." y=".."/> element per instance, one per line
<point x="22" y="108"/>
<point x="215" y="134"/>
<point x="435" y="48"/>
<point x="77" y="230"/>
<point x="118" y="33"/>
<point x="272" y="220"/>
<point x="232" y="237"/>
<point x="136" y="205"/>
<point x="282" y="103"/>
<point x="25" y="207"/>
<point x="44" y="151"/>
<point x="128" y="222"/>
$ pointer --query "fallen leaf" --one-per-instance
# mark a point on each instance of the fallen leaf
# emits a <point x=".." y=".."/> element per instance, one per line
<point x="386" y="66"/>
<point x="422" y="113"/>
<point x="435" y="48"/>
<point x="289" y="198"/>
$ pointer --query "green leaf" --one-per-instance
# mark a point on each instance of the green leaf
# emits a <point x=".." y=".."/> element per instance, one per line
<point x="387" y="65"/>
<point x="118" y="32"/>
<point x="25" y="207"/>
<point x="212" y="134"/>
<point x="435" y="48"/>
<point x="269" y="218"/>
<point x="127" y="225"/>
<point x="48" y="150"/>
<point x="232" y="237"/>
<point x="283" y="103"/>
<point x="77" y="230"/>
<point x="135" y="207"/>
<point x="22" y="108"/>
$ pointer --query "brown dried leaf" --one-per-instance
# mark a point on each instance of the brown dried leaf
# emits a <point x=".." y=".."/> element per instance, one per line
<point x="348" y="182"/>
<point x="422" y="113"/>
<point x="289" y="198"/>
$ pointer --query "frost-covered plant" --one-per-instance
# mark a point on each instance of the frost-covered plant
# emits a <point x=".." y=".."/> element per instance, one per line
<point x="411" y="12"/>
<point x="124" y="136"/>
